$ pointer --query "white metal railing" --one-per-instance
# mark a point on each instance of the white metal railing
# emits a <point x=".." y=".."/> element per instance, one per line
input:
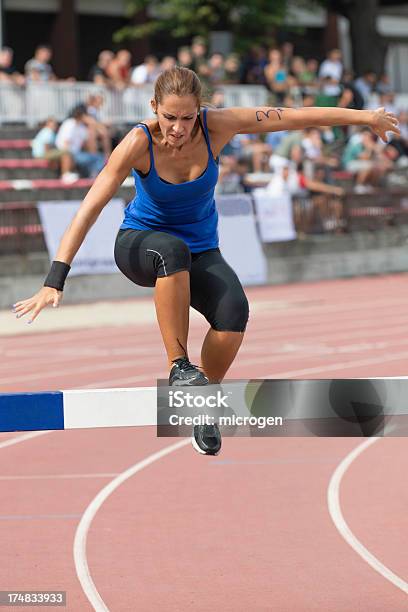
<point x="37" y="101"/>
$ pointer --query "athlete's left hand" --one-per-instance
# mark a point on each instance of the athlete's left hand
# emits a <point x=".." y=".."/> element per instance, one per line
<point x="383" y="122"/>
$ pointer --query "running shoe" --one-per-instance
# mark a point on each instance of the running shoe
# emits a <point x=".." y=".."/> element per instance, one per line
<point x="185" y="374"/>
<point x="206" y="439"/>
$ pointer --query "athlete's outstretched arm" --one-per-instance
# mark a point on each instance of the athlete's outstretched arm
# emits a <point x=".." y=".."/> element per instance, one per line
<point x="270" y="119"/>
<point x="123" y="158"/>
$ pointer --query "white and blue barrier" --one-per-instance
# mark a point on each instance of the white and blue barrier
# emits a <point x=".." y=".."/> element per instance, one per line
<point x="71" y="409"/>
<point x="304" y="407"/>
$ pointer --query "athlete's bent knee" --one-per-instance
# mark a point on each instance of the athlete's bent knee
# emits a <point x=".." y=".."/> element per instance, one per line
<point x="234" y="316"/>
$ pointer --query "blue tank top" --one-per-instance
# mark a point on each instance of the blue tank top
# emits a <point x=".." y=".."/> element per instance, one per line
<point x="186" y="210"/>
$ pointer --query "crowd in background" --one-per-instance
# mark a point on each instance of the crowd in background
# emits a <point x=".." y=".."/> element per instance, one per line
<point x="306" y="160"/>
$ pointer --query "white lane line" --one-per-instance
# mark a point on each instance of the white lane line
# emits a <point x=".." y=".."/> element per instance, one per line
<point x="333" y="501"/>
<point x="56" y="476"/>
<point x="27" y="436"/>
<point x="81" y="563"/>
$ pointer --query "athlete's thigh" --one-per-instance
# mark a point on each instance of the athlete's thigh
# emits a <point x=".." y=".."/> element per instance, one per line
<point x="145" y="255"/>
<point x="217" y="293"/>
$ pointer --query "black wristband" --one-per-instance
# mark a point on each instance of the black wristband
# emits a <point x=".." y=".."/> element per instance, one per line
<point x="57" y="275"/>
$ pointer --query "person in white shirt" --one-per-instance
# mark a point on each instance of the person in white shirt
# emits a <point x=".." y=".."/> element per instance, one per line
<point x="332" y="68"/>
<point x="146" y="72"/>
<point x="72" y="137"/>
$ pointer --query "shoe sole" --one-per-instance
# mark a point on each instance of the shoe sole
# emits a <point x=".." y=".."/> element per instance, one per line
<point x="200" y="450"/>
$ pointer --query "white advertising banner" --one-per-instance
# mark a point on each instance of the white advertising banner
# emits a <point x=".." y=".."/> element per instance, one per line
<point x="275" y="216"/>
<point x="95" y="255"/>
<point x="239" y="240"/>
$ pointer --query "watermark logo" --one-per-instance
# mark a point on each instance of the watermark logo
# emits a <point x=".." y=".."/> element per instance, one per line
<point x="181" y="399"/>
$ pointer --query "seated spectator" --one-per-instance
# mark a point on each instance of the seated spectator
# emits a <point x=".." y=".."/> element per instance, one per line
<point x="232" y="69"/>
<point x="99" y="72"/>
<point x="253" y="66"/>
<point x="146" y="72"/>
<point x="383" y="84"/>
<point x="99" y="132"/>
<point x="252" y="148"/>
<point x="350" y="96"/>
<point x="217" y="71"/>
<point x="43" y="147"/>
<point x="184" y="57"/>
<point x="313" y="147"/>
<point x="332" y="66"/>
<point x="8" y="72"/>
<point x="198" y="52"/>
<point x="218" y="99"/>
<point x="287" y="53"/>
<point x="276" y="75"/>
<point x="362" y="156"/>
<point x="119" y="68"/>
<point x="38" y="68"/>
<point x="289" y="148"/>
<point x="72" y="138"/>
<point x="230" y="177"/>
<point x="309" y="77"/>
<point x="365" y="84"/>
<point x="168" y="62"/>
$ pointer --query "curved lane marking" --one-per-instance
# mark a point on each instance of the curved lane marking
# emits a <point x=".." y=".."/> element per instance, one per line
<point x="333" y="500"/>
<point x="81" y="563"/>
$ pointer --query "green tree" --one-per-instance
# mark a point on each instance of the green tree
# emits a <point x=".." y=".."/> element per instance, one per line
<point x="250" y="21"/>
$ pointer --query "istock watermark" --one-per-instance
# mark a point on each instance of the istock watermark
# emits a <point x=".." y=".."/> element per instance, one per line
<point x="269" y="407"/>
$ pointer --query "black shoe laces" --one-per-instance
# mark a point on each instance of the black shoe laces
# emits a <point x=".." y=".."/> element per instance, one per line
<point x="185" y="365"/>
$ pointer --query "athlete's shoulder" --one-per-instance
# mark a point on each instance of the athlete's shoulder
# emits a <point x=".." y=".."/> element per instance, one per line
<point x="221" y="120"/>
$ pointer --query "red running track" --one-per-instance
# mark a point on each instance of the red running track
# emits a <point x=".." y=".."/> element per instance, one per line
<point x="248" y="530"/>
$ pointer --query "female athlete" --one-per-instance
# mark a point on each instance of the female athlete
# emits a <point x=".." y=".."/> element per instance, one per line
<point x="168" y="239"/>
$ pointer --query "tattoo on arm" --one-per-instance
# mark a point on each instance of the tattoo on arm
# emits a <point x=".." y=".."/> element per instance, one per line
<point x="260" y="115"/>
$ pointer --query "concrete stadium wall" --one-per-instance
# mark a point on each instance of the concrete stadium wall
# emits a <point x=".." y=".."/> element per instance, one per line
<point x="310" y="259"/>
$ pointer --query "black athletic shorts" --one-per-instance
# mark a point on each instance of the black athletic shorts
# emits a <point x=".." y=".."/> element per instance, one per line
<point x="216" y="292"/>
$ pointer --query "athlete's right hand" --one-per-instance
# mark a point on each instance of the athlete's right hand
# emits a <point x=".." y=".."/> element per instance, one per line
<point x="45" y="297"/>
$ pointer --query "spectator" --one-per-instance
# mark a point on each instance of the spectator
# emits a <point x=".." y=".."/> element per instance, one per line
<point x="276" y="75"/>
<point x="253" y="66"/>
<point x="99" y="72"/>
<point x="350" y="96"/>
<point x="387" y="100"/>
<point x="230" y="177"/>
<point x="287" y="50"/>
<point x="383" y="84"/>
<point x="198" y="52"/>
<point x="43" y="147"/>
<point x="184" y="57"/>
<point x="217" y="71"/>
<point x="119" y="69"/>
<point x="362" y="157"/>
<point x="252" y="148"/>
<point x="232" y="69"/>
<point x="218" y="99"/>
<point x="146" y="72"/>
<point x="168" y="62"/>
<point x="365" y="85"/>
<point x="72" y="137"/>
<point x="38" y="68"/>
<point x="8" y="72"/>
<point x="98" y="131"/>
<point x="332" y="67"/>
<point x="309" y="77"/>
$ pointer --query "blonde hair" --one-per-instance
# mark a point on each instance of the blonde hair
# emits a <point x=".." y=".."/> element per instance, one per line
<point x="178" y="81"/>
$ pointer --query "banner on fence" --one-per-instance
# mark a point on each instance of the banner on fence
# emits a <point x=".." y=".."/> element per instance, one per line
<point x="95" y="255"/>
<point x="275" y="216"/>
<point x="239" y="240"/>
